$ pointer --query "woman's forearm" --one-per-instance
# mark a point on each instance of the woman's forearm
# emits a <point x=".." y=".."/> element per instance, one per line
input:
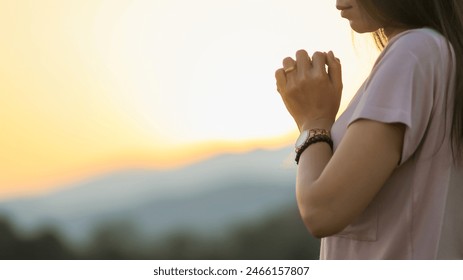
<point x="309" y="193"/>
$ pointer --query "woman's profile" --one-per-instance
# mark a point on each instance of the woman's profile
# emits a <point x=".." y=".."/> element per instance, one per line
<point x="385" y="179"/>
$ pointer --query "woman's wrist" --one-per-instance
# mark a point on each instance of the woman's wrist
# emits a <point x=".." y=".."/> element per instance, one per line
<point x="309" y="137"/>
<point x="322" y="123"/>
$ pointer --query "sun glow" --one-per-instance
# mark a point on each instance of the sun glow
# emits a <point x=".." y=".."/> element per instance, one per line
<point x="93" y="86"/>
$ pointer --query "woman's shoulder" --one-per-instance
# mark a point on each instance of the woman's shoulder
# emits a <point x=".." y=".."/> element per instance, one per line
<point x="419" y="47"/>
<point x="421" y="43"/>
<point x="424" y="34"/>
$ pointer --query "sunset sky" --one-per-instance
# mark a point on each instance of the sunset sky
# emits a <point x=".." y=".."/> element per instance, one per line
<point x="90" y="86"/>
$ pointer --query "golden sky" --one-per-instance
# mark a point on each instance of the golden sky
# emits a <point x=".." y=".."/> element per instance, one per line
<point x="89" y="86"/>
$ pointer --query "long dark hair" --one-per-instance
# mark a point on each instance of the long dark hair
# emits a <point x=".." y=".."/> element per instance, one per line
<point x="444" y="16"/>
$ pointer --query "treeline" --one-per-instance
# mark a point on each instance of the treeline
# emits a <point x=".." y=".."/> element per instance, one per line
<point x="282" y="236"/>
<point x="45" y="245"/>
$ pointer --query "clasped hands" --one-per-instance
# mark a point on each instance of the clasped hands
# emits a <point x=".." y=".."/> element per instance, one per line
<point x="311" y="88"/>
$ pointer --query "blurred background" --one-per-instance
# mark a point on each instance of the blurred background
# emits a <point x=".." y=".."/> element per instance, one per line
<point x="152" y="129"/>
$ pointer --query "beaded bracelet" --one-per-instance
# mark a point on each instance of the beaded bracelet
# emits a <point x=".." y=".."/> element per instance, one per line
<point x="312" y="140"/>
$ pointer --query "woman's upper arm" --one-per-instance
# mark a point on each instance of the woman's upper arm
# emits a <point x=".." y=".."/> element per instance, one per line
<point x="366" y="157"/>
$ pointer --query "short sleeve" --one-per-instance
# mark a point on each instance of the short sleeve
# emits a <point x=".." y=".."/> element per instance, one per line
<point x="400" y="89"/>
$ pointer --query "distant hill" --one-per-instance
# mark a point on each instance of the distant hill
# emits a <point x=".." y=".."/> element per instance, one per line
<point x="206" y="198"/>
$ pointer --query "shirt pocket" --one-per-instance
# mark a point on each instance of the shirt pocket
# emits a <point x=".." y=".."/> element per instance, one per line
<point x="365" y="227"/>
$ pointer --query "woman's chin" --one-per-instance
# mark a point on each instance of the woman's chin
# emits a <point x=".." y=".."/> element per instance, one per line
<point x="361" y="29"/>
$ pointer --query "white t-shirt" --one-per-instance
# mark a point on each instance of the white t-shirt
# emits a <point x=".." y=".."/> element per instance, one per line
<point x="418" y="213"/>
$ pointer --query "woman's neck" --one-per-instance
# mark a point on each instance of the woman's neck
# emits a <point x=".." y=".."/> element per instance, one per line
<point x="391" y="32"/>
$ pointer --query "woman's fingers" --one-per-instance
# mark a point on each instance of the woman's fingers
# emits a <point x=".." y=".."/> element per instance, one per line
<point x="304" y="68"/>
<point x="281" y="79"/>
<point x="303" y="62"/>
<point x="319" y="61"/>
<point x="334" y="70"/>
<point x="289" y="66"/>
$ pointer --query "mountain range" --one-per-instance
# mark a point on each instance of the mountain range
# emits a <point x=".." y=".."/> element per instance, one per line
<point x="206" y="198"/>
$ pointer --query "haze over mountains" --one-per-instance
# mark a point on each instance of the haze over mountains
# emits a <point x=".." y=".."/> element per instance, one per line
<point x="206" y="198"/>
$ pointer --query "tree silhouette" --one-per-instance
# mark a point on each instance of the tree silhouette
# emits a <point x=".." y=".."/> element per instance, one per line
<point x="46" y="245"/>
<point x="281" y="236"/>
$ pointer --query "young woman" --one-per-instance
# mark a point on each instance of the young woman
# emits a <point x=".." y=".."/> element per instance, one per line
<point x="385" y="180"/>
